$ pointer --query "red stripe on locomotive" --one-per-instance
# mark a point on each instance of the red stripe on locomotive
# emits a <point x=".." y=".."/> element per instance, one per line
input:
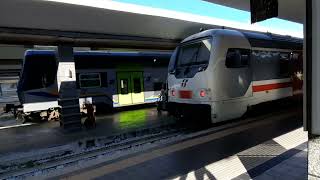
<point x="267" y="87"/>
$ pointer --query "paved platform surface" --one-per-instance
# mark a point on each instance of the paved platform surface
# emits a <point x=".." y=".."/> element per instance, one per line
<point x="271" y="148"/>
<point x="295" y="168"/>
<point x="48" y="134"/>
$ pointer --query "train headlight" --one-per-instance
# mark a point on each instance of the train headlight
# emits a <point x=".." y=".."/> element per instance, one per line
<point x="173" y="92"/>
<point x="203" y="93"/>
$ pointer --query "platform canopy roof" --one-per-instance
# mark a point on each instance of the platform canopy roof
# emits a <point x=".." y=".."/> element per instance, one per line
<point x="291" y="10"/>
<point x="103" y="23"/>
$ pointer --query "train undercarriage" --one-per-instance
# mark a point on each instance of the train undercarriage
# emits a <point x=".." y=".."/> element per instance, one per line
<point x="51" y="114"/>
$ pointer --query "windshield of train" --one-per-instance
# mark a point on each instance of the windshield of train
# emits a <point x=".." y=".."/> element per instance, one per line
<point x="194" y="53"/>
<point x="39" y="71"/>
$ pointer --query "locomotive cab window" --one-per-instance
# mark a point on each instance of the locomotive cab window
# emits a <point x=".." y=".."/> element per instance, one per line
<point x="172" y="62"/>
<point x="194" y="53"/>
<point x="90" y="80"/>
<point x="34" y="77"/>
<point x="237" y="58"/>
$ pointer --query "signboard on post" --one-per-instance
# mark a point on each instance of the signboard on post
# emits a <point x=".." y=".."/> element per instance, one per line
<point x="263" y="9"/>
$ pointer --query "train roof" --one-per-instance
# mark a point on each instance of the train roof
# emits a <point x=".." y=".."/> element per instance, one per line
<point x="256" y="39"/>
<point x="268" y="40"/>
<point x="98" y="59"/>
<point x="100" y="53"/>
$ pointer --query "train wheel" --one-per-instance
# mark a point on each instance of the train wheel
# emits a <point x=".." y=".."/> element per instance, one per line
<point x="21" y="118"/>
<point x="53" y="115"/>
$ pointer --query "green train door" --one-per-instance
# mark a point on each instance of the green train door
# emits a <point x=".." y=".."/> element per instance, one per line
<point x="124" y="88"/>
<point x="137" y="87"/>
<point x="130" y="87"/>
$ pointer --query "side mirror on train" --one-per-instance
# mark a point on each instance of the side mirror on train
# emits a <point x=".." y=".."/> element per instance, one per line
<point x="237" y="58"/>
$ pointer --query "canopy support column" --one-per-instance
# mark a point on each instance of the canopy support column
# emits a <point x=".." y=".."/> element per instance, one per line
<point x="70" y="117"/>
<point x="312" y="86"/>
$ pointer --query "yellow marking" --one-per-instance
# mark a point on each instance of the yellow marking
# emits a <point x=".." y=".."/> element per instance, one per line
<point x="125" y="99"/>
<point x="137" y="97"/>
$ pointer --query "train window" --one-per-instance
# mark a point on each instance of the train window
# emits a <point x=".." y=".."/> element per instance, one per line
<point x="204" y="52"/>
<point x="270" y="65"/>
<point x="284" y="64"/>
<point x="284" y="56"/>
<point x="136" y="85"/>
<point x="124" y="86"/>
<point x="172" y="61"/>
<point x="188" y="54"/>
<point x="194" y="53"/>
<point x="296" y="61"/>
<point x="90" y="80"/>
<point x="295" y="56"/>
<point x="237" y="58"/>
<point x="34" y="77"/>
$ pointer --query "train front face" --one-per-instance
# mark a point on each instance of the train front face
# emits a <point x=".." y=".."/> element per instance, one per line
<point x="189" y="77"/>
<point x="37" y="87"/>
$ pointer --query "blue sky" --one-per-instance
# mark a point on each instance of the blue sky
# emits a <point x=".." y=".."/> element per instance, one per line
<point x="204" y="8"/>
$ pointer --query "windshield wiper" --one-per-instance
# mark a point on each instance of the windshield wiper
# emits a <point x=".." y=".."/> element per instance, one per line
<point x="172" y="71"/>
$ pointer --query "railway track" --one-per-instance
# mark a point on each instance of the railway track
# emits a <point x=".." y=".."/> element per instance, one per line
<point x="119" y="143"/>
<point x="112" y="148"/>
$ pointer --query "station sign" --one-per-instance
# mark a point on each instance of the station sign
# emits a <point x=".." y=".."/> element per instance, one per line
<point x="263" y="9"/>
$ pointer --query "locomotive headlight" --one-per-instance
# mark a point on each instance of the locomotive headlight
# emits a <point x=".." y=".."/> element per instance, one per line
<point x="203" y="93"/>
<point x="173" y="92"/>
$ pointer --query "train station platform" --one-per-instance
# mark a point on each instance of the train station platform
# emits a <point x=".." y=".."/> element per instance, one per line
<point x="265" y="145"/>
<point x="271" y="147"/>
<point x="16" y="138"/>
